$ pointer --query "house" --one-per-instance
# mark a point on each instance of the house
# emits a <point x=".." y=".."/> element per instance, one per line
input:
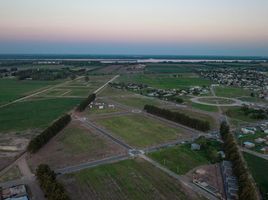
<point x="195" y="146"/>
<point x="111" y="106"/>
<point x="264" y="150"/>
<point x="266" y="131"/>
<point x="259" y="140"/>
<point x="247" y="131"/>
<point x="101" y="107"/>
<point x="18" y="192"/>
<point x="249" y="145"/>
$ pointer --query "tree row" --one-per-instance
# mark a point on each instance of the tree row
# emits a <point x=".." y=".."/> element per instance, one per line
<point x="82" y="106"/>
<point x="178" y="117"/>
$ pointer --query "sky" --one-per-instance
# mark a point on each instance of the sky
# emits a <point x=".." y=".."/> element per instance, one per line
<point x="151" y="27"/>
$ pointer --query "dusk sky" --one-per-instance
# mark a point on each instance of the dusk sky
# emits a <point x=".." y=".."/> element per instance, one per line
<point x="176" y="27"/>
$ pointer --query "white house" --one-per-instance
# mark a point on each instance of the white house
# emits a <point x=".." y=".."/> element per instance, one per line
<point x="247" y="131"/>
<point x="249" y="145"/>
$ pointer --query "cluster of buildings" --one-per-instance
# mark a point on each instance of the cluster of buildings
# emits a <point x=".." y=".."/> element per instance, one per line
<point x="229" y="181"/>
<point x="101" y="105"/>
<point x="161" y="93"/>
<point x="254" y="80"/>
<point x="18" y="192"/>
<point x="260" y="141"/>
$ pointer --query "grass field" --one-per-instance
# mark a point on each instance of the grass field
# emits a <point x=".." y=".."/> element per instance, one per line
<point x="11" y="174"/>
<point x="166" y="81"/>
<point x="258" y="168"/>
<point x="204" y="107"/>
<point x="231" y="92"/>
<point x="137" y="102"/>
<point x="237" y="114"/>
<point x="170" y="68"/>
<point x="179" y="159"/>
<point x="33" y="114"/>
<point x="11" y="89"/>
<point x="140" y="131"/>
<point x="129" y="179"/>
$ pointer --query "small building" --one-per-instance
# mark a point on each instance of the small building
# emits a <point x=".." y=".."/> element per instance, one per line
<point x="101" y="107"/>
<point x="266" y="131"/>
<point x="111" y="106"/>
<point x="264" y="150"/>
<point x="195" y="146"/>
<point x="259" y="140"/>
<point x="247" y="131"/>
<point x="249" y="145"/>
<point x="18" y="192"/>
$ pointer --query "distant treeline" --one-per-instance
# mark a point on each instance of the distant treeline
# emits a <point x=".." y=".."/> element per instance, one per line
<point x="52" y="188"/>
<point x="247" y="189"/>
<point x="41" y="139"/>
<point x="178" y="117"/>
<point x="82" y="106"/>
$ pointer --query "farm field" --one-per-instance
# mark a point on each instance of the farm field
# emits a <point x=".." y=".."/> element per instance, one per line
<point x="129" y="179"/>
<point x="170" y="68"/>
<point x="224" y="91"/>
<point x="166" y="81"/>
<point x="11" y="89"/>
<point x="75" y="144"/>
<point x="258" y="168"/>
<point x="140" y="131"/>
<point x="180" y="159"/>
<point x="34" y="114"/>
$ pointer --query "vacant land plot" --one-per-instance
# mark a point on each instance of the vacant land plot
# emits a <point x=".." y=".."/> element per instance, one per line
<point x="34" y="114"/>
<point x="237" y="114"/>
<point x="75" y="144"/>
<point x="141" y="131"/>
<point x="204" y="107"/>
<point x="180" y="159"/>
<point x="137" y="101"/>
<point x="258" y="168"/>
<point x="11" y="89"/>
<point x="11" y="174"/>
<point x="231" y="92"/>
<point x="166" y="81"/>
<point x="130" y="179"/>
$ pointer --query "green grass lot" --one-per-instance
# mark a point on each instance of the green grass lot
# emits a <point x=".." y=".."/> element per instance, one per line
<point x="217" y="100"/>
<point x="110" y="91"/>
<point x="170" y="68"/>
<point x="180" y="159"/>
<point x="77" y="140"/>
<point x="137" y="102"/>
<point x="166" y="81"/>
<point x="33" y="114"/>
<point x="204" y="107"/>
<point x="237" y="114"/>
<point x="129" y="179"/>
<point x="223" y="91"/>
<point x="140" y="131"/>
<point x="258" y="168"/>
<point x="11" y="89"/>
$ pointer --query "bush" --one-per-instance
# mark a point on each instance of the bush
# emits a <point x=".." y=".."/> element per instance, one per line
<point x="178" y="117"/>
<point x="43" y="138"/>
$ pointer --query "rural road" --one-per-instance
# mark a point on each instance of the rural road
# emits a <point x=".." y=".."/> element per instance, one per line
<point x="99" y="89"/>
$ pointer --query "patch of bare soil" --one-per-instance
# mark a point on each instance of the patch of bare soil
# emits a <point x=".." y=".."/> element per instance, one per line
<point x="58" y="155"/>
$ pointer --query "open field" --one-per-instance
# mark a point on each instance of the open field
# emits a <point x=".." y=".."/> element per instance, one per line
<point x="171" y="68"/>
<point x="110" y="91"/>
<point x="204" y="107"/>
<point x="237" y="114"/>
<point x="166" y="81"/>
<point x="141" y="131"/>
<point x="138" y="101"/>
<point x="180" y="159"/>
<point x="75" y="144"/>
<point x="258" y="168"/>
<point x="224" y="91"/>
<point x="34" y="114"/>
<point x="130" y="179"/>
<point x="11" y="89"/>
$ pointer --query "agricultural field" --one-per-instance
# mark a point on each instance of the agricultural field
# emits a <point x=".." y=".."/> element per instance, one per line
<point x="166" y="81"/>
<point x="224" y="91"/>
<point x="129" y="179"/>
<point x="12" y="89"/>
<point x="181" y="159"/>
<point x="34" y="114"/>
<point x="141" y="131"/>
<point x="258" y="167"/>
<point x="75" y="144"/>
